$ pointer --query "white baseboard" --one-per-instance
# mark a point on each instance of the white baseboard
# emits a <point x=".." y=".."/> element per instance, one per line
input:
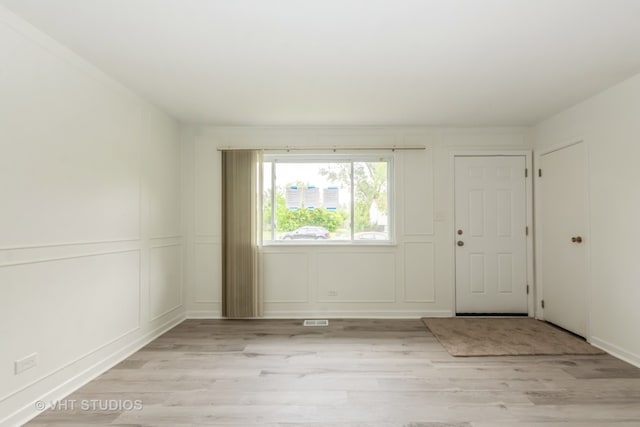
<point x="616" y="351"/>
<point x="203" y="314"/>
<point x="379" y="314"/>
<point x="373" y="314"/>
<point x="29" y="411"/>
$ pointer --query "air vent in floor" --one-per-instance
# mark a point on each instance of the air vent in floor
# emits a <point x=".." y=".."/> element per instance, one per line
<point x="316" y="322"/>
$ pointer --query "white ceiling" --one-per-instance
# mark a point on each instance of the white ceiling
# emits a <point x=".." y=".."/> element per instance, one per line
<point x="352" y="62"/>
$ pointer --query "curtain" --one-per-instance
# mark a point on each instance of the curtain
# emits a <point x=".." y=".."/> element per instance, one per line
<point x="241" y="295"/>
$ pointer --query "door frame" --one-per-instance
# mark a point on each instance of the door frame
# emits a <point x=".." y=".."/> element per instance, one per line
<point x="587" y="232"/>
<point x="528" y="156"/>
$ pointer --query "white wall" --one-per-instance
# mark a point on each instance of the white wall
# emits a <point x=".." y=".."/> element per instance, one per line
<point x="410" y="279"/>
<point x="609" y="125"/>
<point x="90" y="231"/>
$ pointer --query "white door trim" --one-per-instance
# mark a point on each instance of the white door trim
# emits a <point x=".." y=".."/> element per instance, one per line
<point x="538" y="230"/>
<point x="527" y="154"/>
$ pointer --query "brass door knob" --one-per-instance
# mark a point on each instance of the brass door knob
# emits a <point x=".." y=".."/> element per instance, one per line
<point x="577" y="239"/>
<point x="460" y="243"/>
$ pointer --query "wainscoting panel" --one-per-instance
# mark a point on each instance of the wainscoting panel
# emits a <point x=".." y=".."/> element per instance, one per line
<point x="418" y="194"/>
<point x="286" y="277"/>
<point x="207" y="280"/>
<point x="43" y="301"/>
<point x="207" y="190"/>
<point x="419" y="279"/>
<point x="165" y="271"/>
<point x="356" y="277"/>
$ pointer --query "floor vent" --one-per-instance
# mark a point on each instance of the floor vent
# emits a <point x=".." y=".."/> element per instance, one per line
<point x="315" y="322"/>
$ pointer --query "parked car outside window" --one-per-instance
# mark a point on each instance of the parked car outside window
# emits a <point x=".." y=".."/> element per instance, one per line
<point x="307" y="232"/>
<point x="371" y="235"/>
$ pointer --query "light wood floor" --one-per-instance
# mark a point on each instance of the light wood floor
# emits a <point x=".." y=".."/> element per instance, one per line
<point x="352" y="373"/>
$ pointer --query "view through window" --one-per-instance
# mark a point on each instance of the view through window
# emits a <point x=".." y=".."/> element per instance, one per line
<point x="310" y="198"/>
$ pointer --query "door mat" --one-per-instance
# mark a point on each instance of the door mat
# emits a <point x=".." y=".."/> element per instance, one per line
<point x="505" y="337"/>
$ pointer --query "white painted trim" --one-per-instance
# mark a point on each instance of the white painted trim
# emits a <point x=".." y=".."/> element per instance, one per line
<point x="402" y="178"/>
<point x="69" y="364"/>
<point x="288" y="301"/>
<point x="65" y="244"/>
<point x="404" y="270"/>
<point x="616" y="351"/>
<point x="72" y="384"/>
<point x="68" y="257"/>
<point x="181" y="303"/>
<point x="170" y="236"/>
<point x="165" y="245"/>
<point x="529" y="197"/>
<point x="357" y="314"/>
<point x="204" y="314"/>
<point x="352" y="314"/>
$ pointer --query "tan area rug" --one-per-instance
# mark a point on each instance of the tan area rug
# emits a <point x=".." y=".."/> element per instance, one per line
<point x="464" y="336"/>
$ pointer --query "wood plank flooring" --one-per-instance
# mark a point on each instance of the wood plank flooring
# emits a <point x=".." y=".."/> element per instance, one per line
<point x="352" y="373"/>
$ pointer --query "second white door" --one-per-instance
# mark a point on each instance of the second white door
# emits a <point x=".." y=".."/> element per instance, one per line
<point x="491" y="242"/>
<point x="563" y="219"/>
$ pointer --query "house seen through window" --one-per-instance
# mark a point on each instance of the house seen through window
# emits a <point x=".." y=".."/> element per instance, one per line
<point x="311" y="198"/>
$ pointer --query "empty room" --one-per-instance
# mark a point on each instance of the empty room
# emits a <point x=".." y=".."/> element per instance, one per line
<point x="417" y="213"/>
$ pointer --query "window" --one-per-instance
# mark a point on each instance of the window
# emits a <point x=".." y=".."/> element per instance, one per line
<point x="326" y="199"/>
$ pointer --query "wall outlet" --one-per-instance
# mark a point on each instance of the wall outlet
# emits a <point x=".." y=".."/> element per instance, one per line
<point x="28" y="362"/>
<point x="332" y="293"/>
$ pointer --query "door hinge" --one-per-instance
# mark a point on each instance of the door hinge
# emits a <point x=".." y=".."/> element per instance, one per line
<point x="542" y="303"/>
<point x="540" y="172"/>
<point x="526" y="172"/>
<point x="526" y="230"/>
<point x="527" y="289"/>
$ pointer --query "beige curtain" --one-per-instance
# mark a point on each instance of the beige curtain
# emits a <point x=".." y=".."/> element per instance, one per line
<point x="241" y="296"/>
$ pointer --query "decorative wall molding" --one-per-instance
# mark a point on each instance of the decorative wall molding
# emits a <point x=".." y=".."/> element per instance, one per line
<point x="64" y="258"/>
<point x="176" y="236"/>
<point x="64" y="244"/>
<point x="384" y="288"/>
<point x="28" y="412"/>
<point x="304" y="280"/>
<point x="430" y="263"/>
<point x="196" y="270"/>
<point x="180" y="275"/>
<point x="413" y="186"/>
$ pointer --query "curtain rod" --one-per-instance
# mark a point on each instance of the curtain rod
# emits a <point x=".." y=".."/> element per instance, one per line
<point x="332" y="148"/>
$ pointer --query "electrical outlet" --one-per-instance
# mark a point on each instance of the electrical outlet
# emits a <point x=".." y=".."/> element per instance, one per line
<point x="28" y="362"/>
<point x="332" y="293"/>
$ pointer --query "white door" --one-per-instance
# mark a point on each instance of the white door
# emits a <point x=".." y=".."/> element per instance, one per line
<point x="562" y="248"/>
<point x="491" y="242"/>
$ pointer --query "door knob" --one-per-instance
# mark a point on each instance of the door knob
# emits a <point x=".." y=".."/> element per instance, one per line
<point x="460" y="243"/>
<point x="577" y="239"/>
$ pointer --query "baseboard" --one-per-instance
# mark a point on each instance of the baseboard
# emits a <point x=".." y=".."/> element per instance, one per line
<point x="373" y="314"/>
<point x="203" y="314"/>
<point x="28" y="411"/>
<point x="380" y="314"/>
<point x="616" y="351"/>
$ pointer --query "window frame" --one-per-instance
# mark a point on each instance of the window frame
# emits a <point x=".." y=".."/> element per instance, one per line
<point x="343" y="157"/>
